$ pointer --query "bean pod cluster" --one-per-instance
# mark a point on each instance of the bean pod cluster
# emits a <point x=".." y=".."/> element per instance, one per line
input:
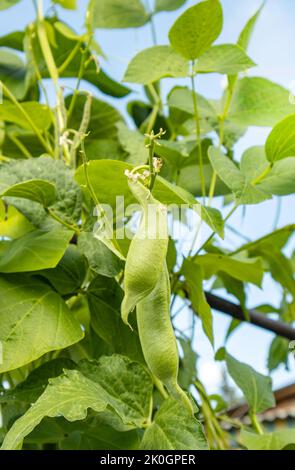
<point x="147" y="287"/>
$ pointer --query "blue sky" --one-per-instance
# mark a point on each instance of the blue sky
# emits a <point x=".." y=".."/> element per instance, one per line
<point x="272" y="48"/>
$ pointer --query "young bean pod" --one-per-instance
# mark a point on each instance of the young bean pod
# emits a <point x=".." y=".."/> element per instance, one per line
<point x="157" y="337"/>
<point x="147" y="250"/>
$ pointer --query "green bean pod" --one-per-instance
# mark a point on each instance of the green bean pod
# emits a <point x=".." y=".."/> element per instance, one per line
<point x="147" y="250"/>
<point x="157" y="337"/>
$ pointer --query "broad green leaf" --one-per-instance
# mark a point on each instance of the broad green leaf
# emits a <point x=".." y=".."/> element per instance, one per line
<point x="68" y="4"/>
<point x="101" y="260"/>
<point x="33" y="386"/>
<point x="154" y="63"/>
<point x="173" y="428"/>
<point x="133" y="143"/>
<point x="13" y="73"/>
<point x="168" y="5"/>
<point x="38" y="113"/>
<point x="12" y="223"/>
<point x="113" y="381"/>
<point x="224" y="59"/>
<point x="68" y="202"/>
<point x="8" y="3"/>
<point x="253" y="163"/>
<point x="118" y="14"/>
<point x="34" y="321"/>
<point x="104" y="298"/>
<point x="281" y="179"/>
<point x="96" y="434"/>
<point x="35" y="190"/>
<point x="101" y="172"/>
<point x="67" y="277"/>
<point x="182" y="98"/>
<point x="228" y="172"/>
<point x="255" y="386"/>
<point x="281" y="141"/>
<point x="35" y="251"/>
<point x="126" y="385"/>
<point x="69" y="395"/>
<point x="276" y="440"/>
<point x="194" y="277"/>
<point x="196" y="29"/>
<point x="243" y="269"/>
<point x="259" y="102"/>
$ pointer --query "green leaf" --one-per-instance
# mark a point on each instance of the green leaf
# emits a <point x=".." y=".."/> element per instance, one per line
<point x="68" y="4"/>
<point x="243" y="269"/>
<point x="104" y="299"/>
<point x="8" y="3"/>
<point x="254" y="163"/>
<point x="244" y="40"/>
<point x="196" y="29"/>
<point x="278" y="353"/>
<point x="168" y="5"/>
<point x="13" y="73"/>
<point x="173" y="428"/>
<point x="188" y="362"/>
<point x="182" y="98"/>
<point x="113" y="381"/>
<point x="69" y="395"/>
<point x="101" y="260"/>
<point x="97" y="434"/>
<point x="228" y="172"/>
<point x="102" y="171"/>
<point x="194" y="278"/>
<point x="224" y="59"/>
<point x="126" y="385"/>
<point x="35" y="251"/>
<point x="34" y="321"/>
<point x="133" y="143"/>
<point x="259" y="102"/>
<point x="118" y="14"/>
<point x="35" y="190"/>
<point x="154" y="63"/>
<point x="34" y="385"/>
<point x="38" y="113"/>
<point x="281" y="141"/>
<point x="281" y="179"/>
<point x="246" y="33"/>
<point x="68" y="203"/>
<point x="104" y="118"/>
<point x="67" y="277"/>
<point x="255" y="387"/>
<point x="276" y="440"/>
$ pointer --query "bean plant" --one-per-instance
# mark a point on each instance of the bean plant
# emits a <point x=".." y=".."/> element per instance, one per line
<point x="93" y="354"/>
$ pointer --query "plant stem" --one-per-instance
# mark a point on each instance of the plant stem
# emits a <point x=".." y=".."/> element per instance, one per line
<point x="222" y="119"/>
<point x="262" y="175"/>
<point x="198" y="134"/>
<point x="62" y="222"/>
<point x="255" y="423"/>
<point x="69" y="59"/>
<point x="12" y="98"/>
